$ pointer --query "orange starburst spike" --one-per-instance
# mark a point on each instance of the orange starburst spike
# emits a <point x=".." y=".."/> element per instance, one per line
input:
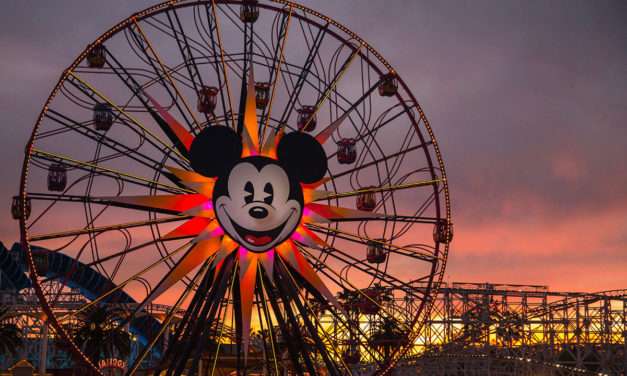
<point x="193" y="227"/>
<point x="190" y="176"/>
<point x="184" y="137"/>
<point x="195" y="181"/>
<point x="171" y="203"/>
<point x="271" y="142"/>
<point x="205" y="210"/>
<point x="267" y="261"/>
<point x="310" y="216"/>
<point x="212" y="230"/>
<point x="251" y="127"/>
<point x="226" y="248"/>
<point x="311" y="195"/>
<point x="326" y="133"/>
<point x="334" y="212"/>
<point x="315" y="185"/>
<point x="199" y="253"/>
<point x="247" y="279"/>
<point x="292" y="256"/>
<point x="308" y="238"/>
<point x="204" y="188"/>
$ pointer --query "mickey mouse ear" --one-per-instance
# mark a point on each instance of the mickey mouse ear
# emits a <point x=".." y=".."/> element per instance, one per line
<point x="215" y="150"/>
<point x="303" y="157"/>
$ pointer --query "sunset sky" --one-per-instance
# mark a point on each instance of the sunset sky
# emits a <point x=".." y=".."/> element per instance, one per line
<point x="528" y="100"/>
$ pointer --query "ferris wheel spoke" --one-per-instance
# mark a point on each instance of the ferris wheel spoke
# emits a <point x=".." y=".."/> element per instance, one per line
<point x="199" y="253"/>
<point x="360" y="265"/>
<point x="214" y="15"/>
<point x="339" y="317"/>
<point x="110" y="201"/>
<point x="267" y="333"/>
<point x="166" y="71"/>
<point x="372" y="131"/>
<point x="288" y="325"/>
<point x="112" y="144"/>
<point x="166" y="322"/>
<point x="102" y="229"/>
<point x="135" y="277"/>
<point x="275" y="73"/>
<point x="326" y="133"/>
<point x="199" y="327"/>
<point x="387" y="188"/>
<point x="380" y="160"/>
<point x="289" y="291"/>
<point x="308" y="311"/>
<point x="105" y="171"/>
<point x="127" y="115"/>
<point x="370" y="299"/>
<point x="186" y="52"/>
<point x="180" y="138"/>
<point x="300" y="83"/>
<point x="428" y="257"/>
<point x="333" y="84"/>
<point x="121" y="254"/>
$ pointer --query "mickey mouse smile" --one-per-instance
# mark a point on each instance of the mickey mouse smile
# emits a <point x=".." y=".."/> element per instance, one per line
<point x="257" y="238"/>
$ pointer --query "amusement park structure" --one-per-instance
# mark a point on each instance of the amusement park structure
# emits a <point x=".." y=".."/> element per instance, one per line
<point x="249" y="187"/>
<point x="473" y="329"/>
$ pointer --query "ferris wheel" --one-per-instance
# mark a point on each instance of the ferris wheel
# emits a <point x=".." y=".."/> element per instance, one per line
<point x="254" y="165"/>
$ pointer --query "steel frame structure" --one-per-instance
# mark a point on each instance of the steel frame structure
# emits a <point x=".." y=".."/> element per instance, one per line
<point x="467" y="332"/>
<point x="128" y="146"/>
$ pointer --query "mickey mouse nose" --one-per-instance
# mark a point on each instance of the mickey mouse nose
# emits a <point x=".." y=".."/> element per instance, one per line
<point x="258" y="212"/>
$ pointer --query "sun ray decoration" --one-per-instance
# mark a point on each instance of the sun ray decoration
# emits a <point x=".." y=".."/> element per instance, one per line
<point x="209" y="238"/>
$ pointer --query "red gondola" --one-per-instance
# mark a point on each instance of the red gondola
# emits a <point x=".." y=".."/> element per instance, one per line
<point x="249" y="12"/>
<point x="376" y="252"/>
<point x="307" y="118"/>
<point x="96" y="57"/>
<point x="207" y="99"/>
<point x="443" y="232"/>
<point x="389" y="85"/>
<point x="366" y="201"/>
<point x="16" y="209"/>
<point x="346" y="151"/>
<point x="262" y="94"/>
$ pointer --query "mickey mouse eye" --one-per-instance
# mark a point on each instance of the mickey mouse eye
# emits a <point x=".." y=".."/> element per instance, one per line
<point x="250" y="192"/>
<point x="269" y="190"/>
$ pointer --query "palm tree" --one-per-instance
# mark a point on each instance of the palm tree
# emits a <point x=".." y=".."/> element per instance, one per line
<point x="99" y="335"/>
<point x="10" y="335"/>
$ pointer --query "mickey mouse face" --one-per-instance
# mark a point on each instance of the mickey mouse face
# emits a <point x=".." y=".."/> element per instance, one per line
<point x="258" y="201"/>
<point x="257" y="205"/>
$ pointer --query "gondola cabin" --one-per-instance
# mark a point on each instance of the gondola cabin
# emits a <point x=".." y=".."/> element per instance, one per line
<point x="96" y="57"/>
<point x="262" y="94"/>
<point x="57" y="177"/>
<point x="16" y="208"/>
<point x="207" y="99"/>
<point x="443" y="232"/>
<point x="346" y="151"/>
<point x="306" y="120"/>
<point x="389" y="85"/>
<point x="249" y="11"/>
<point x="103" y="117"/>
<point x="370" y="299"/>
<point x="366" y="200"/>
<point x="376" y="252"/>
